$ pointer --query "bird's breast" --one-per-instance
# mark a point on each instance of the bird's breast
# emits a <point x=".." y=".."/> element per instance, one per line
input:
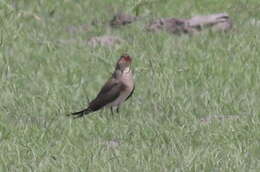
<point x="127" y="79"/>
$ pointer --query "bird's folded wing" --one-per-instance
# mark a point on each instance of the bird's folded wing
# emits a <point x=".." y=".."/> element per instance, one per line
<point x="109" y="92"/>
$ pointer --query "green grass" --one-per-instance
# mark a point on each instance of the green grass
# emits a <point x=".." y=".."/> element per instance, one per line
<point x="179" y="81"/>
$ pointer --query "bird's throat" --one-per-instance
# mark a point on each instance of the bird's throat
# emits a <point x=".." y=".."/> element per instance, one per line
<point x="126" y="70"/>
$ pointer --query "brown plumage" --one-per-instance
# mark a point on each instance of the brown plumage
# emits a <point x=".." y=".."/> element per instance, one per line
<point x="115" y="91"/>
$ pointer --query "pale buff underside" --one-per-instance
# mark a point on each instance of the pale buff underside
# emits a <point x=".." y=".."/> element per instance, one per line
<point x="127" y="79"/>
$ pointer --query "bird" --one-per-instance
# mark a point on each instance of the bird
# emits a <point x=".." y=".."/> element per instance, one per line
<point x="118" y="88"/>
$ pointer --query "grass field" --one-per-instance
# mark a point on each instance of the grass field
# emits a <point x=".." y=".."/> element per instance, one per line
<point x="47" y="72"/>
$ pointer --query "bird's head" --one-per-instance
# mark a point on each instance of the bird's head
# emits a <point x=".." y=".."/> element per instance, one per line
<point x="124" y="62"/>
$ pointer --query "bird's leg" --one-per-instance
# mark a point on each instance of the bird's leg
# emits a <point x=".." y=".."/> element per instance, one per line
<point x="111" y="109"/>
<point x="117" y="109"/>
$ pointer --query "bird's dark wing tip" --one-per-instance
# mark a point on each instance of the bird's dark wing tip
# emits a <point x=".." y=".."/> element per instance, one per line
<point x="75" y="114"/>
<point x="80" y="113"/>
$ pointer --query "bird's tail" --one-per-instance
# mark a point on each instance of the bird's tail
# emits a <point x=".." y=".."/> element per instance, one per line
<point x="81" y="113"/>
